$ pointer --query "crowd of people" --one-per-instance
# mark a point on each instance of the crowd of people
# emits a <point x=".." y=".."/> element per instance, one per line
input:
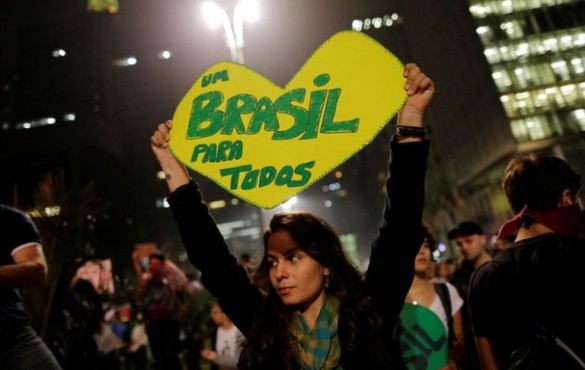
<point x="304" y="305"/>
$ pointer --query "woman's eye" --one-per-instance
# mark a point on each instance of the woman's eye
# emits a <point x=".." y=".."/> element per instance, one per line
<point x="271" y="263"/>
<point x="295" y="257"/>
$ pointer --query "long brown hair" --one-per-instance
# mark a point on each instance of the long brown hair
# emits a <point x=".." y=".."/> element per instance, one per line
<point x="268" y="345"/>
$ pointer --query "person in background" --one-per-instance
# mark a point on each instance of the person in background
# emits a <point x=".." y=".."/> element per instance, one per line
<point x="228" y="341"/>
<point x="442" y="300"/>
<point x="445" y="270"/>
<point x="498" y="245"/>
<point x="22" y="264"/>
<point x="471" y="240"/>
<point x="136" y="350"/>
<point x="524" y="294"/>
<point x="162" y="284"/>
<point x="310" y="307"/>
<point x="246" y="261"/>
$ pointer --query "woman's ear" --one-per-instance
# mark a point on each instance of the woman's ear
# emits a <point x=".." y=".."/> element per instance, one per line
<point x="567" y="198"/>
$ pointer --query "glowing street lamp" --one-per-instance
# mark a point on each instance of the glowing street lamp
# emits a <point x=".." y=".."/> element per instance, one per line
<point x="216" y="16"/>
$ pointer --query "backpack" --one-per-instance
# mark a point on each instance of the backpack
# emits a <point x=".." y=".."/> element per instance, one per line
<point x="542" y="349"/>
<point x="443" y="293"/>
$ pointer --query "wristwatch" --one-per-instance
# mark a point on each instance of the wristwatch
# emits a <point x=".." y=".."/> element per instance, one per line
<point x="410" y="131"/>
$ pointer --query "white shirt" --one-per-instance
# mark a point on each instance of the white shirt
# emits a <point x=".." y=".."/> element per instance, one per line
<point x="228" y="345"/>
<point x="439" y="310"/>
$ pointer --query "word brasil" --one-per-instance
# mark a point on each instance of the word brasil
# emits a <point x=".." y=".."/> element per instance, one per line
<point x="207" y="120"/>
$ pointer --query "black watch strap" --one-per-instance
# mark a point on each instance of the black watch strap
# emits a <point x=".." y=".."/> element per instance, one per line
<point x="410" y="131"/>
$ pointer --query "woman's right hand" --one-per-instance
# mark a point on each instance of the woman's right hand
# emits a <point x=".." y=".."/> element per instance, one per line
<point x="159" y="141"/>
<point x="175" y="173"/>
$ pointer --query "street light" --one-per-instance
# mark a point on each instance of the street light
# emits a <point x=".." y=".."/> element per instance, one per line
<point x="216" y="16"/>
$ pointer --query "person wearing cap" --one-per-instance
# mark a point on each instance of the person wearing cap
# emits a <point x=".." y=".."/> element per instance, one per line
<point x="471" y="240"/>
<point x="530" y="290"/>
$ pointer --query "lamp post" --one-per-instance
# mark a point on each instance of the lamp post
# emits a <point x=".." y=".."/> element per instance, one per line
<point x="216" y="16"/>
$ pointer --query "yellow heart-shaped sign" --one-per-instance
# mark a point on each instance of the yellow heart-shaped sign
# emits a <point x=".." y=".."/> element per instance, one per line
<point x="264" y="143"/>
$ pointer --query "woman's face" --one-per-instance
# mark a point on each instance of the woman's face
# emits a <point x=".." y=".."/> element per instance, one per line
<point x="217" y="314"/>
<point x="297" y="277"/>
<point x="423" y="259"/>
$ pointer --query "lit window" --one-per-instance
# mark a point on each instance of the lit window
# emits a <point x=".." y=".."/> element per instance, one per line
<point x="334" y="186"/>
<point x="217" y="204"/>
<point x="492" y="55"/>
<point x="479" y="10"/>
<point x="35" y="123"/>
<point x="58" y="53"/>
<point x="579" y="115"/>
<point x="125" y="62"/>
<point x="560" y="67"/>
<point x="577" y="64"/>
<point x="507" y="6"/>
<point x="566" y="42"/>
<point x="162" y="203"/>
<point x="567" y="88"/>
<point x="69" y="117"/>
<point x="377" y="22"/>
<point x="536" y="129"/>
<point x="551" y="44"/>
<point x="483" y="29"/>
<point x="367" y="23"/>
<point x="519" y="130"/>
<point x="165" y="54"/>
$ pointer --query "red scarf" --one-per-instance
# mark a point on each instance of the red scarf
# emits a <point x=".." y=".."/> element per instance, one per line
<point x="565" y="221"/>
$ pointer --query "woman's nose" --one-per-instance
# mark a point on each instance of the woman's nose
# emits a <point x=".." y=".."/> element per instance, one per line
<point x="281" y="271"/>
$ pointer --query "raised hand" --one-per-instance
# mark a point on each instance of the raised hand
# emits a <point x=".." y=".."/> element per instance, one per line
<point x="420" y="89"/>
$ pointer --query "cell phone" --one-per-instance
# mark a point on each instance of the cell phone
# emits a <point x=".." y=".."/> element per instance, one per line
<point x="144" y="263"/>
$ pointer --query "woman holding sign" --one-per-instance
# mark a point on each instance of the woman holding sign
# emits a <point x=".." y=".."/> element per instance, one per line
<point x="310" y="307"/>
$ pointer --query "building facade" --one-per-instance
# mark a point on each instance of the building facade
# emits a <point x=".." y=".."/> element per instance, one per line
<point x="536" y="51"/>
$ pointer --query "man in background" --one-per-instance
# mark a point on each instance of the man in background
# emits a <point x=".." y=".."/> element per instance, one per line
<point x="471" y="240"/>
<point x="525" y="293"/>
<point x="163" y="283"/>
